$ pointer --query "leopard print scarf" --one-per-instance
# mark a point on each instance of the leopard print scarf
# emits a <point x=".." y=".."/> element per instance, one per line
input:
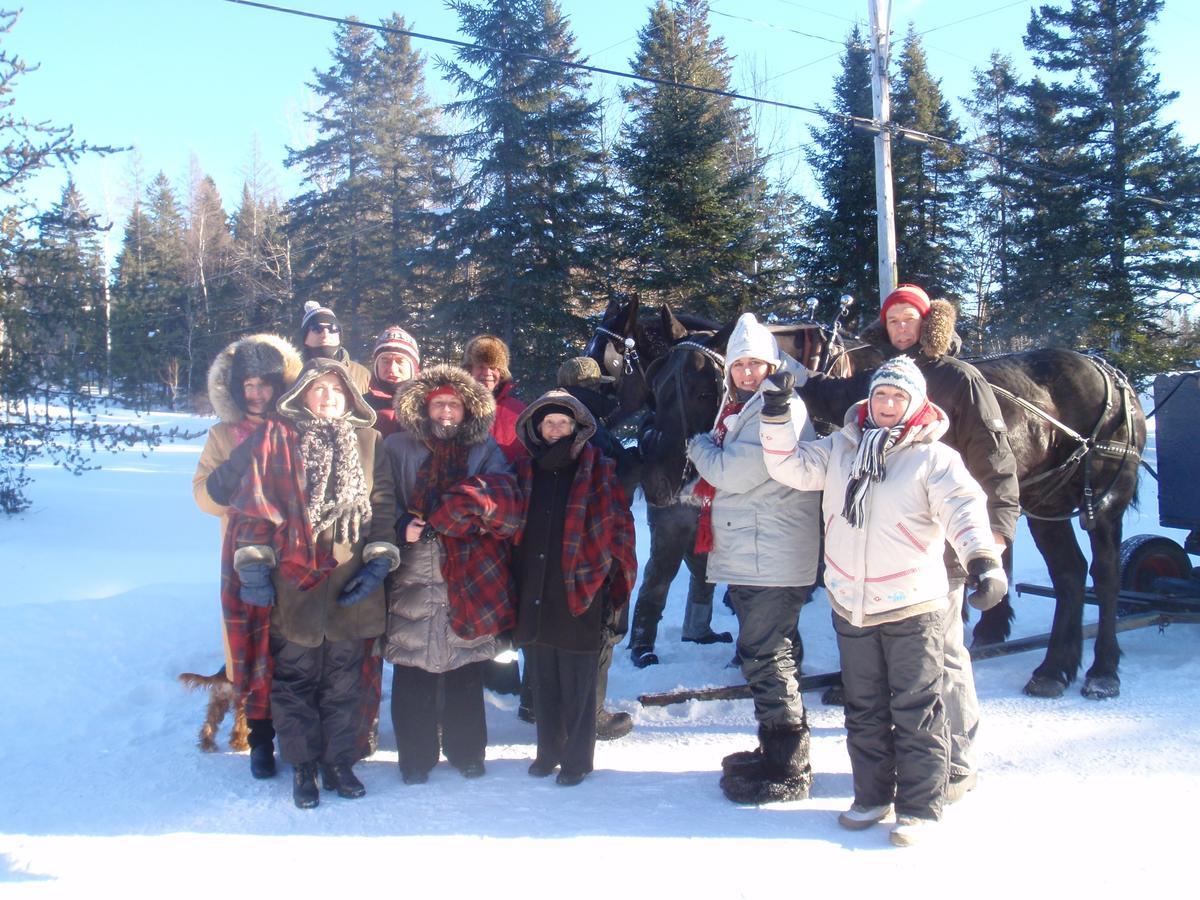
<point x="336" y="486"/>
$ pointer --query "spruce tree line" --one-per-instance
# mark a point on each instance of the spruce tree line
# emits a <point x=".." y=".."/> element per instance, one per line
<point x="1064" y="210"/>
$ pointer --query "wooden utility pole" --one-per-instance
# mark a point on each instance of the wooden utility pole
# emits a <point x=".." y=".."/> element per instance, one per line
<point x="881" y="101"/>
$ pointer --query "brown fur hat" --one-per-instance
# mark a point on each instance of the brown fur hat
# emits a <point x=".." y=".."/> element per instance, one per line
<point x="938" y="335"/>
<point x="412" y="409"/>
<point x="256" y="355"/>
<point x="487" y="350"/>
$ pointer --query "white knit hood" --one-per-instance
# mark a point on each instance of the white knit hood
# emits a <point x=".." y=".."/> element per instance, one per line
<point x="750" y="338"/>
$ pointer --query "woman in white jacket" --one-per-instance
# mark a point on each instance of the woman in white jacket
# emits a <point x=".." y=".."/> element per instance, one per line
<point x="892" y="496"/>
<point x="762" y="540"/>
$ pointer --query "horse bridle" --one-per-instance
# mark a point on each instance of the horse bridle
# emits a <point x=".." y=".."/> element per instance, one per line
<point x="630" y="361"/>
<point x="718" y="361"/>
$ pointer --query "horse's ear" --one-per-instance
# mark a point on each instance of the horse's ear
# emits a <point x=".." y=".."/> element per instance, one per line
<point x="671" y="326"/>
<point x="634" y="308"/>
<point x="721" y="339"/>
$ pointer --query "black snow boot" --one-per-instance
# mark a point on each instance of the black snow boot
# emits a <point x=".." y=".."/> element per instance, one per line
<point x="262" y="748"/>
<point x="304" y="786"/>
<point x="340" y="777"/>
<point x="786" y="772"/>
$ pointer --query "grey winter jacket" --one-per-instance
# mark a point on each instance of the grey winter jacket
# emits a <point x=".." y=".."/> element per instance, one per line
<point x="418" y="613"/>
<point x="764" y="533"/>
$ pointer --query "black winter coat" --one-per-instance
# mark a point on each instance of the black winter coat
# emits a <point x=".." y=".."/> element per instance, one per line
<point x="543" y="616"/>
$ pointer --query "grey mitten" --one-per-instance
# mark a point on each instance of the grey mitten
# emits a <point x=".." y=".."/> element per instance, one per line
<point x="256" y="589"/>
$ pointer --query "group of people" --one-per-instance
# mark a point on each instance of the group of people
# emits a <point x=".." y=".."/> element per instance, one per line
<point x="428" y="518"/>
<point x="420" y="516"/>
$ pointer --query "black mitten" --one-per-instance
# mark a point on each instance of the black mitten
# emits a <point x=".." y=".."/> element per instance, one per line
<point x="777" y="391"/>
<point x="256" y="588"/>
<point x="986" y="576"/>
<point x="223" y="481"/>
<point x="368" y="578"/>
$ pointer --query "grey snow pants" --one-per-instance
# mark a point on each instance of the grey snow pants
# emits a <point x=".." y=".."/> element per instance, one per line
<point x="958" y="685"/>
<point x="896" y="726"/>
<point x="316" y="698"/>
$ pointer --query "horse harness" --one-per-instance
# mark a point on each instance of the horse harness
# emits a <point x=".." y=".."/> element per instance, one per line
<point x="1087" y="448"/>
<point x="630" y="361"/>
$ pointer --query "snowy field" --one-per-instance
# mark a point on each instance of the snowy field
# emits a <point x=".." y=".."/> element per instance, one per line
<point x="110" y="591"/>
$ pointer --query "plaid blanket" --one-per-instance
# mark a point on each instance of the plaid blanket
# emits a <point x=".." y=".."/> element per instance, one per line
<point x="268" y="508"/>
<point x="598" y="536"/>
<point x="475" y="519"/>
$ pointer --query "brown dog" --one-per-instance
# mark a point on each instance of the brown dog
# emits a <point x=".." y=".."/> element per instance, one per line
<point x="220" y="697"/>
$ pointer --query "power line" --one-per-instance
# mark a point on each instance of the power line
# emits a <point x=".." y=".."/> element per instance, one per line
<point x="908" y="134"/>
<point x="975" y="16"/>
<point x="772" y="25"/>
<point x="536" y="57"/>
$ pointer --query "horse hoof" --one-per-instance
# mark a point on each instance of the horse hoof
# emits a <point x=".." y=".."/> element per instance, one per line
<point x="1101" y="687"/>
<point x="1041" y="686"/>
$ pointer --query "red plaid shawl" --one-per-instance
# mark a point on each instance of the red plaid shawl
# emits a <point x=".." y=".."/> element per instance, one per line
<point x="268" y="508"/>
<point x="476" y="518"/>
<point x="598" y="538"/>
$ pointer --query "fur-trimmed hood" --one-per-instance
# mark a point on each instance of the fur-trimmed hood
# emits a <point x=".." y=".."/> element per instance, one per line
<point x="412" y="412"/>
<point x="528" y="436"/>
<point x="938" y="335"/>
<point x="220" y="391"/>
<point x="291" y="404"/>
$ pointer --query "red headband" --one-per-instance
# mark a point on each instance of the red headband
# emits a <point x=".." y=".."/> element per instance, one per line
<point x="439" y="391"/>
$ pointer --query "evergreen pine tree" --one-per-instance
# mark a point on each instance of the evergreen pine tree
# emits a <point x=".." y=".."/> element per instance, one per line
<point x="260" y="273"/>
<point x="1144" y="180"/>
<point x="329" y="221"/>
<point x="930" y="180"/>
<point x="151" y="299"/>
<point x="521" y="231"/>
<point x="409" y="187"/>
<point x="840" y="254"/>
<point x="696" y="214"/>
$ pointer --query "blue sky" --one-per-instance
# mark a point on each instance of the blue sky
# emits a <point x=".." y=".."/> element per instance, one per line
<point x="205" y="80"/>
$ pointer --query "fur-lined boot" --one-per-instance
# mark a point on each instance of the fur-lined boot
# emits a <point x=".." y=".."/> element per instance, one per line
<point x="746" y="763"/>
<point x="786" y="772"/>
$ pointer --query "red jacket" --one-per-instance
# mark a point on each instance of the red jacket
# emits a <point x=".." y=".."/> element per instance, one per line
<point x="504" y="426"/>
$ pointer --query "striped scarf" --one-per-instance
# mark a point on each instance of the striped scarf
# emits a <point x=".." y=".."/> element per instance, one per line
<point x="870" y="462"/>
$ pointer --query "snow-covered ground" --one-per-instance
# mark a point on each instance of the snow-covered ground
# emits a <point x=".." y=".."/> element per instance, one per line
<point x="110" y="591"/>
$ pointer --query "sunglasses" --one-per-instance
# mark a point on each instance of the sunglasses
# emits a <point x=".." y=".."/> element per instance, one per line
<point x="321" y="326"/>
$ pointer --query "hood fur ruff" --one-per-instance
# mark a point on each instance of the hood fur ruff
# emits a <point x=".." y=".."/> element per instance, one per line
<point x="220" y="395"/>
<point x="938" y="336"/>
<point x="291" y="404"/>
<point x="412" y="413"/>
<point x="530" y="439"/>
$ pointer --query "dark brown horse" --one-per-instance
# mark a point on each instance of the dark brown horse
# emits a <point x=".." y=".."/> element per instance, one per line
<point x="1077" y="432"/>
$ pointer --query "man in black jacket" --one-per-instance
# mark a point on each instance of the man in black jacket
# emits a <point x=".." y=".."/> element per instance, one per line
<point x="912" y="325"/>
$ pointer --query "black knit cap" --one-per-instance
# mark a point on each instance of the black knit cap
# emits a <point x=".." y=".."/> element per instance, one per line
<point x="550" y="409"/>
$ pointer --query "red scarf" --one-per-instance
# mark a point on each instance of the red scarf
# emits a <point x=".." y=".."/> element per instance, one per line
<point x="705" y="491"/>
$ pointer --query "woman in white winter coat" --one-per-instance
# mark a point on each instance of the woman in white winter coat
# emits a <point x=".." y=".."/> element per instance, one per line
<point x="762" y="540"/>
<point x="892" y="496"/>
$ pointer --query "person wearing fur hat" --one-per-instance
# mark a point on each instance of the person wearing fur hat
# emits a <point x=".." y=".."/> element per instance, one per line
<point x="313" y="537"/>
<point x="321" y="338"/>
<point x="486" y="358"/>
<point x="912" y="325"/>
<point x="762" y="540"/>
<point x="395" y="360"/>
<point x="574" y="564"/>
<point x="452" y="596"/>
<point x="892" y="496"/>
<point x="244" y="381"/>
